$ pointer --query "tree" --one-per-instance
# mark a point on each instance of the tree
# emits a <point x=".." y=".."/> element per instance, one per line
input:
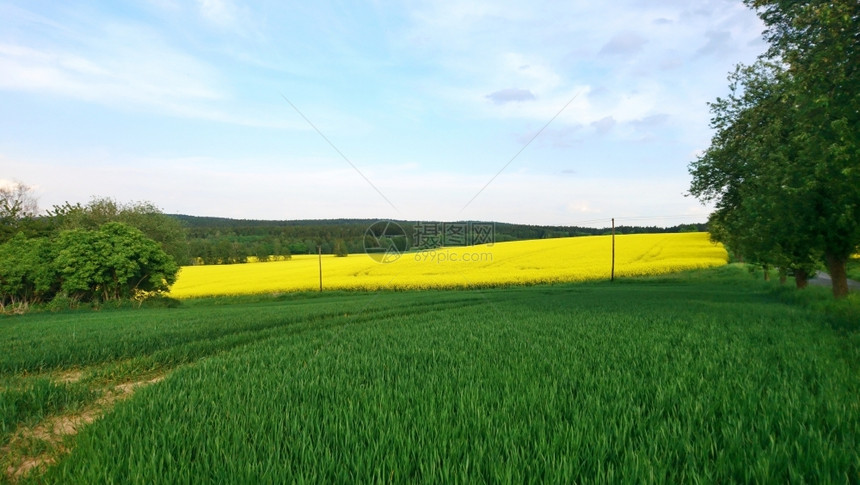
<point x="282" y="249"/>
<point x="27" y="274"/>
<point x="756" y="173"/>
<point x="784" y="164"/>
<point x="17" y="201"/>
<point x="298" y="247"/>
<point x="165" y="230"/>
<point x="18" y="209"/>
<point x="263" y="251"/>
<point x="340" y="249"/>
<point x="116" y="261"/>
<point x="818" y="42"/>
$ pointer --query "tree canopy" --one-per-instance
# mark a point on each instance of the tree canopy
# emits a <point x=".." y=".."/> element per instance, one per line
<point x="113" y="262"/>
<point x="783" y="168"/>
<point x="83" y="253"/>
<point x="145" y="216"/>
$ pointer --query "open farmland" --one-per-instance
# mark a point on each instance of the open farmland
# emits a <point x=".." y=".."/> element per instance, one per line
<point x="520" y="262"/>
<point x="700" y="377"/>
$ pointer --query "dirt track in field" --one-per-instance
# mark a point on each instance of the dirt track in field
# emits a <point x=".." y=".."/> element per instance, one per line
<point x="52" y="431"/>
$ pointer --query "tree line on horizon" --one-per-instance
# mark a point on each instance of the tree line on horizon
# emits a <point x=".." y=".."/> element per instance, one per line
<point x="783" y="167"/>
<point x="216" y="240"/>
<point x="107" y="250"/>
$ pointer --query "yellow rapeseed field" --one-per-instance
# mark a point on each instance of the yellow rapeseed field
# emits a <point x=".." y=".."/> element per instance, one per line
<point x="535" y="261"/>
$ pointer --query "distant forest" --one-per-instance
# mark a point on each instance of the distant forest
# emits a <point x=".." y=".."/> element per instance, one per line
<point x="216" y="240"/>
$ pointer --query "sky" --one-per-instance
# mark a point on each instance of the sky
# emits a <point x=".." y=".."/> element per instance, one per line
<point x="540" y="112"/>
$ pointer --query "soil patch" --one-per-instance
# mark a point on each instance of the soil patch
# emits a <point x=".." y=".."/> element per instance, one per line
<point x="52" y="431"/>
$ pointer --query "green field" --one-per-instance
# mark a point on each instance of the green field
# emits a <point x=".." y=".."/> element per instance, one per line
<point x="854" y="268"/>
<point x="707" y="376"/>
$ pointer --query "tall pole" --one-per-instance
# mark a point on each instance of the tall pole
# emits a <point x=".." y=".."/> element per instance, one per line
<point x="319" y="251"/>
<point x="612" y="272"/>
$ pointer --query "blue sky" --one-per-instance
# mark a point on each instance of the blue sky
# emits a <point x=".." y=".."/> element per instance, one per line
<point x="425" y="110"/>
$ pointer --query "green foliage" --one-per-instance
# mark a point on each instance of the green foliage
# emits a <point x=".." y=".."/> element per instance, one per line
<point x="159" y="301"/>
<point x="112" y="263"/>
<point x="117" y="261"/>
<point x="841" y="314"/>
<point x="104" y="251"/>
<point x="784" y="165"/>
<point x="751" y="171"/>
<point x="212" y="240"/>
<point x="703" y="377"/>
<point x="340" y="248"/>
<point x="26" y="273"/>
<point x="61" y="302"/>
<point x="145" y="216"/>
<point x="854" y="268"/>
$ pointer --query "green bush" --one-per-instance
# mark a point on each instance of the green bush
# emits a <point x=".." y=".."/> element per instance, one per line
<point x="61" y="302"/>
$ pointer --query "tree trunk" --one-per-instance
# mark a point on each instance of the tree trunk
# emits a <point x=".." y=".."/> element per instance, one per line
<point x="766" y="273"/>
<point x="836" y="266"/>
<point x="783" y="274"/>
<point x="801" y="278"/>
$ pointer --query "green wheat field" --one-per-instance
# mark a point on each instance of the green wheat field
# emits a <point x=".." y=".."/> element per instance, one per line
<point x="707" y="376"/>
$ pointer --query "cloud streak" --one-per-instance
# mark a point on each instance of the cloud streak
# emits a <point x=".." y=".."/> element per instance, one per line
<point x="624" y="44"/>
<point x="511" y="95"/>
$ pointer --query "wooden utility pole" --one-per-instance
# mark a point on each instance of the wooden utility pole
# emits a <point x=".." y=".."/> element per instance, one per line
<point x="612" y="272"/>
<point x="319" y="251"/>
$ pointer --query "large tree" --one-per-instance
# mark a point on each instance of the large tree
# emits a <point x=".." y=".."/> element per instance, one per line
<point x="819" y="42"/>
<point x="116" y="261"/>
<point x="784" y="165"/>
<point x="165" y="230"/>
<point x="751" y="172"/>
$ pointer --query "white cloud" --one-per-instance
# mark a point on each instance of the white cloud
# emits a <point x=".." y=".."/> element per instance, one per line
<point x="602" y="126"/>
<point x="719" y="42"/>
<point x="624" y="44"/>
<point x="511" y="95"/>
<point x="643" y="56"/>
<point x="227" y="16"/>
<point x="128" y="64"/>
<point x="134" y="69"/>
<point x="221" y="12"/>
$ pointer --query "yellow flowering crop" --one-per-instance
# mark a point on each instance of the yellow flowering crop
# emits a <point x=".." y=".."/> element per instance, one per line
<point x="534" y="261"/>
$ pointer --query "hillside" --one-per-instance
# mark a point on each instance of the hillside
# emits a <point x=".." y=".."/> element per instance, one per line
<point x="214" y="240"/>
